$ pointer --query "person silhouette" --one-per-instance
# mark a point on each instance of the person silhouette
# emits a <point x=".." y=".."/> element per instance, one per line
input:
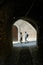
<point x="26" y="36"/>
<point x="21" y="37"/>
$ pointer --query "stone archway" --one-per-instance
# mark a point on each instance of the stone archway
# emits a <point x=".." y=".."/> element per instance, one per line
<point x="24" y="26"/>
<point x="32" y="22"/>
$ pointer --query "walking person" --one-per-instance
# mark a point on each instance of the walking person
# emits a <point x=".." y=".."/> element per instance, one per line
<point x="21" y="37"/>
<point x="26" y="36"/>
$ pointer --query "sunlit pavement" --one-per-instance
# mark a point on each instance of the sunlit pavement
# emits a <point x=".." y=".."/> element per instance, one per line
<point x="25" y="44"/>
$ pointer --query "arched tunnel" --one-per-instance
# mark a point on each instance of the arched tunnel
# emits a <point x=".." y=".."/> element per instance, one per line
<point x="10" y="12"/>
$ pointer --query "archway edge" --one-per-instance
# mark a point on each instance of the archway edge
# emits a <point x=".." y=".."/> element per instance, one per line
<point x="32" y="22"/>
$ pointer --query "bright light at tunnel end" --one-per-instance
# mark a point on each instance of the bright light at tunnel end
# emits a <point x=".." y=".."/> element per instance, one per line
<point x="32" y="39"/>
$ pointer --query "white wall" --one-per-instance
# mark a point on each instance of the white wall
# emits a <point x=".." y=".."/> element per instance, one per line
<point x="25" y="26"/>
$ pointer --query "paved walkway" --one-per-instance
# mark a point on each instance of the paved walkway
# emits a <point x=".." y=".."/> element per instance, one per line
<point x="22" y="53"/>
<point x="25" y="44"/>
<point x="33" y="49"/>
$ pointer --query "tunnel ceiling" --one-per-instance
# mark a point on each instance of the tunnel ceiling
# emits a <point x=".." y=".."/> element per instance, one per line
<point x="19" y="8"/>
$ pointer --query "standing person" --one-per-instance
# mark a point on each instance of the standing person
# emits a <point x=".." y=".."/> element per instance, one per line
<point x="21" y="37"/>
<point x="26" y="36"/>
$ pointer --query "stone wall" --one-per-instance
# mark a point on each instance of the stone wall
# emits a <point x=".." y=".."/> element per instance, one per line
<point x="14" y="33"/>
<point x="5" y="33"/>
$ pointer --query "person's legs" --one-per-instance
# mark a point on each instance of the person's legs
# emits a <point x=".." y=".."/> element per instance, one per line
<point x="25" y="40"/>
<point x="21" y="40"/>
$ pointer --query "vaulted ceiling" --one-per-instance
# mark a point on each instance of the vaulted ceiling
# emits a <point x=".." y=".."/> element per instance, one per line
<point x="19" y="8"/>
